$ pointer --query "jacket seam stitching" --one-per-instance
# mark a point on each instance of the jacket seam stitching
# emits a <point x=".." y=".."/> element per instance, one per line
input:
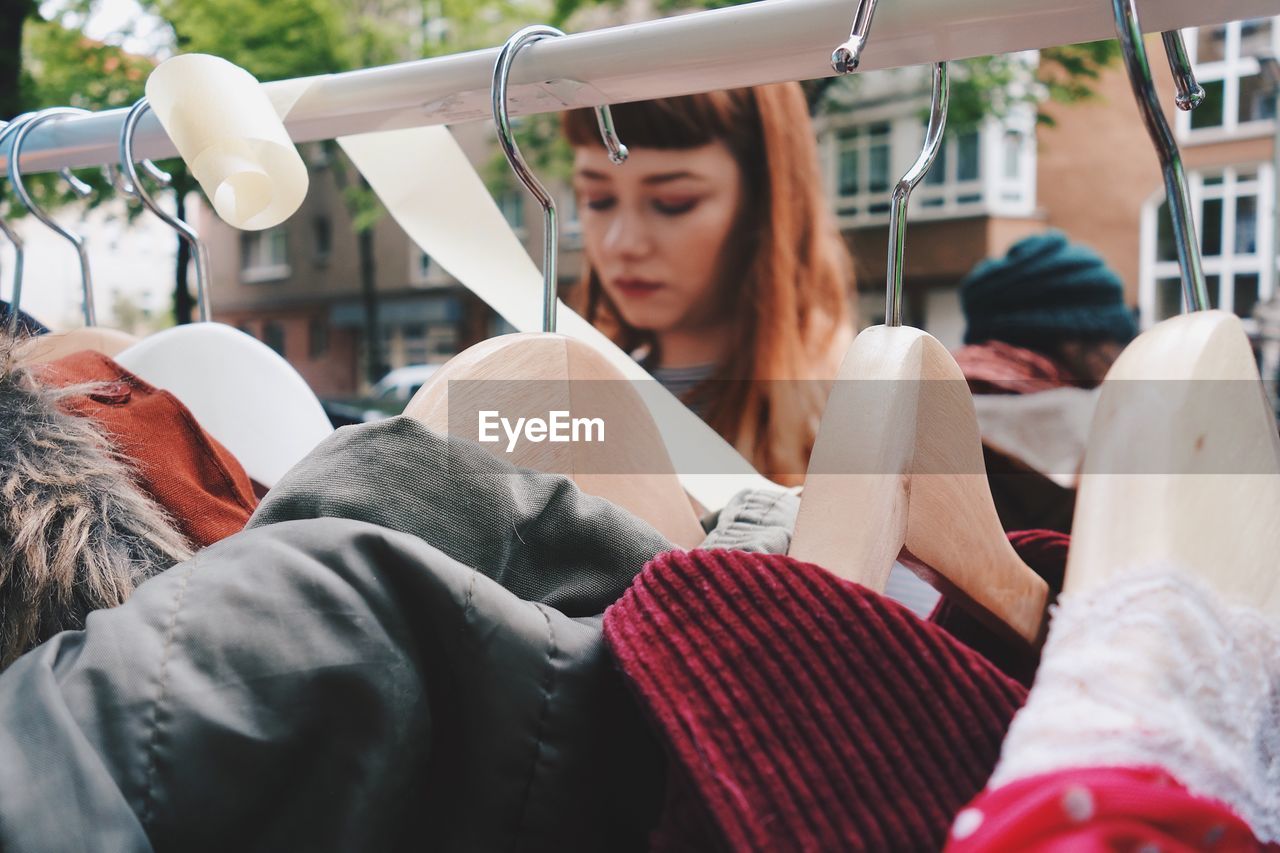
<point x="161" y="693"/>
<point x="546" y="687"/>
<point x="468" y="605"/>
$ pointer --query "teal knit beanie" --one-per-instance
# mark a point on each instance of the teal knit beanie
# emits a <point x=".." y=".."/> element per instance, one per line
<point x="1045" y="290"/>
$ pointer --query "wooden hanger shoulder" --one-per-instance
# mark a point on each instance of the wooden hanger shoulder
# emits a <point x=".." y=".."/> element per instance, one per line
<point x="55" y="345"/>
<point x="1182" y="466"/>
<point x="898" y="466"/>
<point x="853" y="510"/>
<point x="529" y="376"/>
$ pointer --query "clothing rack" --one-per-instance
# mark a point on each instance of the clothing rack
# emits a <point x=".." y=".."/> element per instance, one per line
<point x="763" y="42"/>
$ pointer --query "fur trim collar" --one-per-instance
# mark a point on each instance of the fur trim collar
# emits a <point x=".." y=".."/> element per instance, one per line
<point x="76" y="533"/>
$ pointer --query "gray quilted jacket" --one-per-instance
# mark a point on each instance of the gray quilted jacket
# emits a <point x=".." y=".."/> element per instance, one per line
<point x="403" y="651"/>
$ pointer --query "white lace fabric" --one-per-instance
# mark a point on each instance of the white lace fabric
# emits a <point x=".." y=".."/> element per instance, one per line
<point x="1156" y="670"/>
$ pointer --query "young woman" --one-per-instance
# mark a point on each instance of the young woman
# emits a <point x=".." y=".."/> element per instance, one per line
<point x="713" y="257"/>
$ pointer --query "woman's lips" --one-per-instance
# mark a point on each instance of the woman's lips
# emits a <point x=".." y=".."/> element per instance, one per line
<point x="636" y="287"/>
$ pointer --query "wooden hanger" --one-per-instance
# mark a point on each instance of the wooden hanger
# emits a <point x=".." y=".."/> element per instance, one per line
<point x="1182" y="466"/>
<point x="532" y="375"/>
<point x="897" y="466"/>
<point x="55" y="345"/>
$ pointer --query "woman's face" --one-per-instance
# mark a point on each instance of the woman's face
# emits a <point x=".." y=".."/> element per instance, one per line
<point x="653" y="229"/>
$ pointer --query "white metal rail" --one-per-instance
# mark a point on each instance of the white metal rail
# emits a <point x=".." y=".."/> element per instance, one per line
<point x="762" y="42"/>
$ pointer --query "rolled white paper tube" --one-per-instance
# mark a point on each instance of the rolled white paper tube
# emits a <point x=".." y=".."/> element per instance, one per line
<point x="226" y="129"/>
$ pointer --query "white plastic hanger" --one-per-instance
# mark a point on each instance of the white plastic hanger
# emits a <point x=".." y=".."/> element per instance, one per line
<point x="531" y="374"/>
<point x="240" y="390"/>
<point x="897" y="465"/>
<point x="55" y="345"/>
<point x="1182" y="467"/>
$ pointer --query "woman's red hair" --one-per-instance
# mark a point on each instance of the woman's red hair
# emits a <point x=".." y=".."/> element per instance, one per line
<point x="785" y="275"/>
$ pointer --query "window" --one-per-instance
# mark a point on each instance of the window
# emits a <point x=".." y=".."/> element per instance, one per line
<point x="1226" y="204"/>
<point x="273" y="336"/>
<point x="967" y="167"/>
<point x="442" y="340"/>
<point x="571" y="223"/>
<point x="414" y="336"/>
<point x="955" y="179"/>
<point x="937" y="174"/>
<point x="264" y="255"/>
<point x="1210" y="113"/>
<point x="1011" y="155"/>
<point x="423" y="270"/>
<point x="1226" y="63"/>
<point x="1211" y="44"/>
<point x="318" y="337"/>
<point x="985" y="169"/>
<point x="863" y="172"/>
<point x="419" y="342"/>
<point x="321" y="239"/>
<point x="511" y="203"/>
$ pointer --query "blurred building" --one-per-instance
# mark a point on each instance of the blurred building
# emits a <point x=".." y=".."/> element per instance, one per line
<point x="1092" y="173"/>
<point x="297" y="287"/>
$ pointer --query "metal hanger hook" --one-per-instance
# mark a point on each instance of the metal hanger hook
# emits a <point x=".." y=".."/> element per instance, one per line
<point x="135" y="187"/>
<point x="1134" y="51"/>
<point x="501" y="117"/>
<point x="19" y="247"/>
<point x="1190" y="93"/>
<point x="846" y="58"/>
<point x="27" y="125"/>
<point x="939" y="100"/>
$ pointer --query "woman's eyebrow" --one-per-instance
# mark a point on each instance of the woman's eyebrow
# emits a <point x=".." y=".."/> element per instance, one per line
<point x="666" y="177"/>
<point x="661" y="178"/>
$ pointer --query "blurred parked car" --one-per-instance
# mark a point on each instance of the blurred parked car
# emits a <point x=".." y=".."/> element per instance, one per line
<point x="387" y="398"/>
<point x="402" y="383"/>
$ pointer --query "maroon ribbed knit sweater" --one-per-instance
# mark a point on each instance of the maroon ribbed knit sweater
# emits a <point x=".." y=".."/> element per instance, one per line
<point x="801" y="711"/>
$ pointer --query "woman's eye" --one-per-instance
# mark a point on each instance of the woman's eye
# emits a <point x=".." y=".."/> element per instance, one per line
<point x="601" y="203"/>
<point x="675" y="208"/>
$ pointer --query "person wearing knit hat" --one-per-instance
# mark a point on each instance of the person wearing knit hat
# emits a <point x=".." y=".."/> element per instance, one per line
<point x="1048" y="316"/>
<point x="1056" y="299"/>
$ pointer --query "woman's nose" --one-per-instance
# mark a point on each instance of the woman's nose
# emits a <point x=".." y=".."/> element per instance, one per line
<point x="627" y="235"/>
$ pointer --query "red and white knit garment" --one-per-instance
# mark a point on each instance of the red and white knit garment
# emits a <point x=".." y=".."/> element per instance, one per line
<point x="1154" y="724"/>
